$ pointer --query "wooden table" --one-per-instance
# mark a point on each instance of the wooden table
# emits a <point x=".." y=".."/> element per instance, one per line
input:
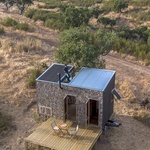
<point x="64" y="126"/>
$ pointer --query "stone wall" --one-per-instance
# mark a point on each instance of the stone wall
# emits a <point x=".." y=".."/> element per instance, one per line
<point x="51" y="95"/>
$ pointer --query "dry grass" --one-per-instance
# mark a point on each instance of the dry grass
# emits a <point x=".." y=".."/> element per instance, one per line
<point x="20" y="50"/>
<point x="26" y="45"/>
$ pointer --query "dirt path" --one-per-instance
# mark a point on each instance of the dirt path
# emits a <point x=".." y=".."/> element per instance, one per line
<point x="113" y="60"/>
<point x="132" y="134"/>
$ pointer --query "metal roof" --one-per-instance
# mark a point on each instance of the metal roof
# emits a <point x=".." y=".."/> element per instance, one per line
<point x="51" y="74"/>
<point x="91" y="78"/>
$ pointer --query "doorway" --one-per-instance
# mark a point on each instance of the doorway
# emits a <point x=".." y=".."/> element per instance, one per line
<point x="92" y="112"/>
<point x="70" y="108"/>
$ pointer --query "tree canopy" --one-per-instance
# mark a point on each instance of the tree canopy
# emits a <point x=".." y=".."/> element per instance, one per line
<point x="82" y="48"/>
<point x="75" y="17"/>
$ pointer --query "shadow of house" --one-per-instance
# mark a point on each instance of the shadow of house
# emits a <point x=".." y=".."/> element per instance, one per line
<point x="87" y="99"/>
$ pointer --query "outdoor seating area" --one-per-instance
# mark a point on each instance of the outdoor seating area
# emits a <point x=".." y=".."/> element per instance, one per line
<point x="58" y="135"/>
<point x="64" y="127"/>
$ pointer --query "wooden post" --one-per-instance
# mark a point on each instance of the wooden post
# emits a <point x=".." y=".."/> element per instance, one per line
<point x="38" y="147"/>
<point x="26" y="145"/>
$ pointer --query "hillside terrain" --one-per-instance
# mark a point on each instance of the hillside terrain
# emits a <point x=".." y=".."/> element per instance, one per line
<point x="132" y="82"/>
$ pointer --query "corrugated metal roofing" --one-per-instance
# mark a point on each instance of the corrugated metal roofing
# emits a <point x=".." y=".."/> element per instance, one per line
<point x="91" y="78"/>
<point x="51" y="74"/>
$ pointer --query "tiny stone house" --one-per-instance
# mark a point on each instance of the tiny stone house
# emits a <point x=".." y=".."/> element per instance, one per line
<point x="87" y="99"/>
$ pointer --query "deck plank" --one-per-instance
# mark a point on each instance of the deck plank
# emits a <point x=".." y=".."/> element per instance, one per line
<point x="46" y="137"/>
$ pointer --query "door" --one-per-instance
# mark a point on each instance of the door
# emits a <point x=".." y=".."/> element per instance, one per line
<point x="70" y="108"/>
<point x="87" y="113"/>
<point x="93" y="111"/>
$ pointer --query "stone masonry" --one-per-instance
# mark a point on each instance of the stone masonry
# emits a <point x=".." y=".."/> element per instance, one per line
<point x="49" y="94"/>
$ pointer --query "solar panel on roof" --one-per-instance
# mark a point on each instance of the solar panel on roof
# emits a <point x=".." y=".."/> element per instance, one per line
<point x="51" y="74"/>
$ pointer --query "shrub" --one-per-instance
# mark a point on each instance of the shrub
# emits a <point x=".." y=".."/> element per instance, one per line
<point x="30" y="13"/>
<point x="2" y="30"/>
<point x="31" y="77"/>
<point x="22" y="26"/>
<point x="9" y="22"/>
<point x="95" y="12"/>
<point x="40" y="15"/>
<point x="106" y="21"/>
<point x="71" y="14"/>
<point x="5" y="121"/>
<point x="107" y="6"/>
<point x="54" y="24"/>
<point x="32" y="74"/>
<point x="85" y="3"/>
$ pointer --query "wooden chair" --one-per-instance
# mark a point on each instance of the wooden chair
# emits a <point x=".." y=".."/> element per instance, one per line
<point x="56" y="129"/>
<point x="73" y="132"/>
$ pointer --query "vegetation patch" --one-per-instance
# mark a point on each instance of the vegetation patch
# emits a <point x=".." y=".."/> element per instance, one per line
<point x="33" y="73"/>
<point x="2" y="30"/>
<point x="9" y="22"/>
<point x="56" y="3"/>
<point x="5" y="121"/>
<point x="141" y="3"/>
<point x="135" y="42"/>
<point x="81" y="47"/>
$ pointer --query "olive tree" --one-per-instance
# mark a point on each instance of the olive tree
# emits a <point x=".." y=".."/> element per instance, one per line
<point x="8" y="3"/>
<point x="23" y="4"/>
<point x="82" y="48"/>
<point x="75" y="17"/>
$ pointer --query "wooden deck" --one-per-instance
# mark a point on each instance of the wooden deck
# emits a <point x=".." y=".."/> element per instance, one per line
<point x="44" y="136"/>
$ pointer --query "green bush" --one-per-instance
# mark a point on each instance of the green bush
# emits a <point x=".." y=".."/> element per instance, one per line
<point x="32" y="74"/>
<point x="31" y="77"/>
<point x="22" y="26"/>
<point x="75" y="17"/>
<point x="5" y="121"/>
<point x="50" y="4"/>
<point x="107" y="6"/>
<point x="30" y="13"/>
<point x="40" y="15"/>
<point x="9" y="22"/>
<point x="106" y="21"/>
<point x="2" y="30"/>
<point x="95" y="12"/>
<point x="86" y="3"/>
<point x="54" y="24"/>
<point x="139" y="49"/>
